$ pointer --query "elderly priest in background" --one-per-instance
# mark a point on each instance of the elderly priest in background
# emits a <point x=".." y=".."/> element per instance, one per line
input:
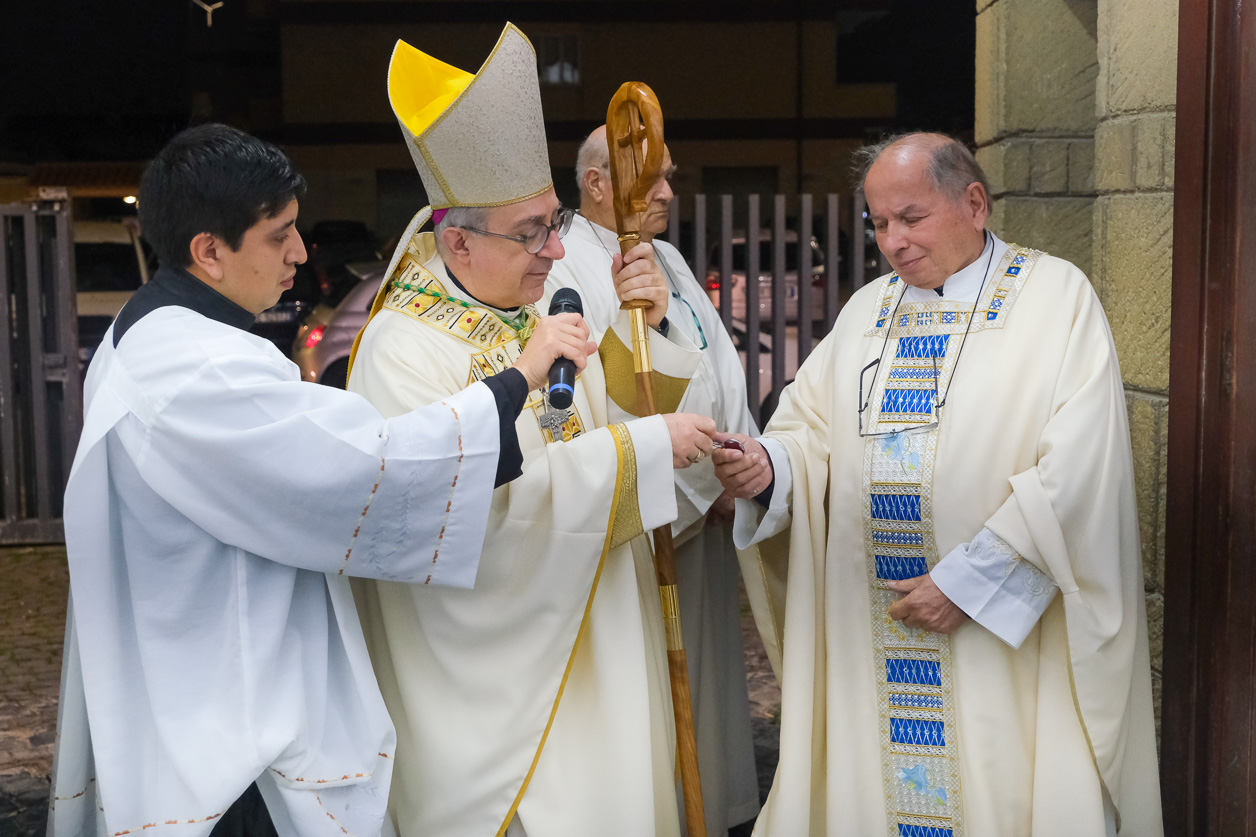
<point x="217" y="507"/>
<point x="705" y="560"/>
<point x="950" y="484"/>
<point x="537" y="703"/>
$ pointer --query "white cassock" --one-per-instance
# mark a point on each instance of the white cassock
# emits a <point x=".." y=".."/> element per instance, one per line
<point x="705" y="558"/>
<point x="539" y="701"/>
<point x="216" y="508"/>
<point x="1035" y="717"/>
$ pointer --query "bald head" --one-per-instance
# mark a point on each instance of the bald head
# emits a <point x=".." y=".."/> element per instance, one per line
<point x="949" y="165"/>
<point x="928" y="204"/>
<point x="593" y="176"/>
<point x="593" y="154"/>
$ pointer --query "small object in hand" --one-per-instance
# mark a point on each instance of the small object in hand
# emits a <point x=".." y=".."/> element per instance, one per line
<point x="731" y="444"/>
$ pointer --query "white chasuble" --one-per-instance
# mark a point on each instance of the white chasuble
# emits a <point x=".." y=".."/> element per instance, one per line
<point x="900" y="732"/>
<point x="215" y="511"/>
<point x="539" y="697"/>
<point x="706" y="562"/>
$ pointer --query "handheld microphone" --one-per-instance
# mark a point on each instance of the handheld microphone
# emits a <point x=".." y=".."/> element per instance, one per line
<point x="562" y="375"/>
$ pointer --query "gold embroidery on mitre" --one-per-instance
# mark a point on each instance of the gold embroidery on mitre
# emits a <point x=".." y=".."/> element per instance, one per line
<point x="621" y="379"/>
<point x="627" y="522"/>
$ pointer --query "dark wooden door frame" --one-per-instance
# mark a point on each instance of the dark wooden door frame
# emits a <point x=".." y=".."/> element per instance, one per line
<point x="1208" y="755"/>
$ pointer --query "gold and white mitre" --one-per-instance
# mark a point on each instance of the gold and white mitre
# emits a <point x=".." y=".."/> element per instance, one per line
<point x="476" y="140"/>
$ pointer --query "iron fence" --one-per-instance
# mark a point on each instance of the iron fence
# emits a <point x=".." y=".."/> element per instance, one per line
<point x="778" y="282"/>
<point x="41" y="391"/>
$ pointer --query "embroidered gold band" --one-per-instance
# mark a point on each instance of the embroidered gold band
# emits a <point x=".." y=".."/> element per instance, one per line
<point x="621" y="379"/>
<point x="671" y="617"/>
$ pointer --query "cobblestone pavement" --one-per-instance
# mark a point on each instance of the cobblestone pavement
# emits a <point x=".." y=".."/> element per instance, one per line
<point x="32" y="629"/>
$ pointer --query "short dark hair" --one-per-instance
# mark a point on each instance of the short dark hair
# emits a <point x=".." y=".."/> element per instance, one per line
<point x="216" y="179"/>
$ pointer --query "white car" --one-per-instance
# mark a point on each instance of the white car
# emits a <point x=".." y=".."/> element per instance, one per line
<point x="110" y="264"/>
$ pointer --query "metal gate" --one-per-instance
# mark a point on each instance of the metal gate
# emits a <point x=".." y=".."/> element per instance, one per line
<point x="41" y="390"/>
<point x="794" y="270"/>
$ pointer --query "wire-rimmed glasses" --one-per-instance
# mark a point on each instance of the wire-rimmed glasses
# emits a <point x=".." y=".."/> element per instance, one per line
<point x="534" y="239"/>
<point x="863" y="404"/>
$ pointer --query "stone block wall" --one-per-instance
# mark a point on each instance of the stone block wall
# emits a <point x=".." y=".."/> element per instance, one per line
<point x="1135" y="102"/>
<point x="1035" y="121"/>
<point x="1075" y="103"/>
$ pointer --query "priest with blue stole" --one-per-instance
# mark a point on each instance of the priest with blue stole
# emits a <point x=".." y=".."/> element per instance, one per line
<point x="537" y="703"/>
<point x="945" y="500"/>
<point x="214" y="664"/>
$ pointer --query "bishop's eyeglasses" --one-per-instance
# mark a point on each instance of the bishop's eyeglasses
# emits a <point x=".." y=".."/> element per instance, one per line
<point x="534" y="239"/>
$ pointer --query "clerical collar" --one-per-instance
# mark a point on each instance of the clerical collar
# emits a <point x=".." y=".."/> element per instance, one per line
<point x="176" y="286"/>
<point x="607" y="238"/>
<point x="964" y="285"/>
<point x="470" y="297"/>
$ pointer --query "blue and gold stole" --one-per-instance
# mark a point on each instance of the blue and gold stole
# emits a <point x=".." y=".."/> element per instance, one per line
<point x="919" y="741"/>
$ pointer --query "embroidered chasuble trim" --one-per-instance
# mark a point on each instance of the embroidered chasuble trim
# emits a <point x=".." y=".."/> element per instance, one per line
<point x="621" y="379"/>
<point x="924" y="318"/>
<point x="913" y="673"/>
<point x="625" y="491"/>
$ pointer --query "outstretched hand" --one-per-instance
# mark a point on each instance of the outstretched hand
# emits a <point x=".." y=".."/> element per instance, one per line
<point x="691" y="438"/>
<point x="746" y="474"/>
<point x="925" y="606"/>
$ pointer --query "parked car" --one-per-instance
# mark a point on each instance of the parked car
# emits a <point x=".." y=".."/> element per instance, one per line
<point x="322" y="345"/>
<point x="111" y="262"/>
<point x="332" y="245"/>
<point x="738" y="277"/>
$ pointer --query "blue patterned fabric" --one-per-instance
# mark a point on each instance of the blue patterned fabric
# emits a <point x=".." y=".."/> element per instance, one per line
<point x="923" y="347"/>
<point x="892" y="568"/>
<point x="917" y="733"/>
<point x="898" y="538"/>
<point x="915" y="701"/>
<point x="913" y="401"/>
<point x="905" y="830"/>
<point x="919" y="672"/>
<point x="896" y="506"/>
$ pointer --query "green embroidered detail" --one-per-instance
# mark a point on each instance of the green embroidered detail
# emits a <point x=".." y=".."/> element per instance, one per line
<point x="522" y="324"/>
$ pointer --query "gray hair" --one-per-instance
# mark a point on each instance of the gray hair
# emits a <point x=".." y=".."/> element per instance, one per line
<point x="460" y="216"/>
<point x="952" y="167"/>
<point x="592" y="155"/>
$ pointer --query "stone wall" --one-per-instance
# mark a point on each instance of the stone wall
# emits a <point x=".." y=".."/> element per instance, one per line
<point x="1035" y="121"/>
<point x="1133" y="246"/>
<point x="1075" y="126"/>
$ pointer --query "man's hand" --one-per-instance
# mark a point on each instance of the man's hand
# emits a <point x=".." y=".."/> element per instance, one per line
<point x="638" y="277"/>
<point x="691" y="438"/>
<point x="925" y="606"/>
<point x="562" y="335"/>
<point x="746" y="474"/>
<point x="721" y="511"/>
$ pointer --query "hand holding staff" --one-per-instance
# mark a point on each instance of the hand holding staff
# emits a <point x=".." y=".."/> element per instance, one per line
<point x="634" y="132"/>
